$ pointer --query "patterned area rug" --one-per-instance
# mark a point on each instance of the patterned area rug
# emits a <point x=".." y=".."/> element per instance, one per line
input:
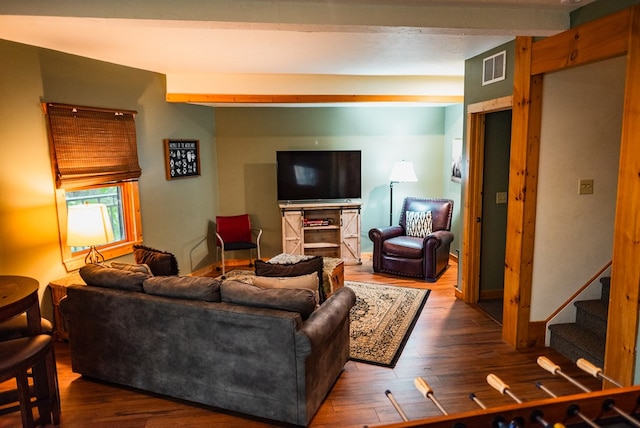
<point x="382" y="320"/>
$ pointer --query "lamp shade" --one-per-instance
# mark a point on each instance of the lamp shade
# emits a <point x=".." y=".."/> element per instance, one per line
<point x="88" y="225"/>
<point x="403" y="172"/>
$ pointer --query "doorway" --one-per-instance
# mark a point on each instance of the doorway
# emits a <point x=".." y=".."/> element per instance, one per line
<point x="473" y="193"/>
<point x="493" y="222"/>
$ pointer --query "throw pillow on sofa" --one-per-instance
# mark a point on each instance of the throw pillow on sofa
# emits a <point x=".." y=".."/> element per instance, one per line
<point x="303" y="267"/>
<point x="160" y="262"/>
<point x="184" y="287"/>
<point x="142" y="268"/>
<point x="306" y="282"/>
<point x="287" y="299"/>
<point x="108" y="277"/>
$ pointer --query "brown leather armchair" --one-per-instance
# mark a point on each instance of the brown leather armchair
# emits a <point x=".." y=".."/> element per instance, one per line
<point x="421" y="257"/>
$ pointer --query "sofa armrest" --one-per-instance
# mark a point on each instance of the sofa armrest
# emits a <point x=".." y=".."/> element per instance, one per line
<point x="326" y="319"/>
<point x="64" y="307"/>
<point x="379" y="234"/>
<point x="438" y="239"/>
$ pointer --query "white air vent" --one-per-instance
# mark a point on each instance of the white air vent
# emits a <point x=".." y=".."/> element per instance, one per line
<point x="494" y="67"/>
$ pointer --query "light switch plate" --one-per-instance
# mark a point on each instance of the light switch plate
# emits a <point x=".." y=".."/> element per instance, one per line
<point x="501" y="197"/>
<point x="586" y="186"/>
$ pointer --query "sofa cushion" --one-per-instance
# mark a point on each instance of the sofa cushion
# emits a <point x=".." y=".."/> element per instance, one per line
<point x="303" y="267"/>
<point x="184" y="287"/>
<point x="287" y="299"/>
<point x="108" y="277"/>
<point x="419" y="223"/>
<point x="160" y="262"/>
<point x="131" y="267"/>
<point x="305" y="282"/>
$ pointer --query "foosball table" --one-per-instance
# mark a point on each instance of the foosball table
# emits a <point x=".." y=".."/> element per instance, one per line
<point x="615" y="407"/>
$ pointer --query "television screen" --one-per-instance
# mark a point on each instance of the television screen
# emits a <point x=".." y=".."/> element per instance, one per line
<point x="318" y="174"/>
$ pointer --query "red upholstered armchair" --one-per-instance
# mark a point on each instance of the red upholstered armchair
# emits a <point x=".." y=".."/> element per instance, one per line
<point x="419" y="245"/>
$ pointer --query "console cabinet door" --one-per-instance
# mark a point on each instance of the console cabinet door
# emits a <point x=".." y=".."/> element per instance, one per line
<point x="350" y="232"/>
<point x="292" y="232"/>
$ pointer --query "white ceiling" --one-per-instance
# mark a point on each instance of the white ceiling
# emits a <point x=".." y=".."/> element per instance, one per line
<point x="293" y="37"/>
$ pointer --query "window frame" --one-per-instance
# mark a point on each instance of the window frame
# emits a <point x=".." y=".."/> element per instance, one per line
<point x="131" y="217"/>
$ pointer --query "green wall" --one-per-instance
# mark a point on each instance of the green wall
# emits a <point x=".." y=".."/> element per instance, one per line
<point x="175" y="214"/>
<point x="474" y="92"/>
<point x="453" y="129"/>
<point x="599" y="9"/>
<point x="237" y="157"/>
<point x="247" y="140"/>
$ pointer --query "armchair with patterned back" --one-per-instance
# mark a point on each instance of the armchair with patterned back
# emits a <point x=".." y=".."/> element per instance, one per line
<point x="419" y="245"/>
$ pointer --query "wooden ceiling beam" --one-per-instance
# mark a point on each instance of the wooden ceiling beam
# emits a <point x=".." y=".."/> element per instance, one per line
<point x="309" y="98"/>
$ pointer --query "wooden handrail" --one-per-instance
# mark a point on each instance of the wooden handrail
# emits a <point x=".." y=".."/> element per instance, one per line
<point x="577" y="293"/>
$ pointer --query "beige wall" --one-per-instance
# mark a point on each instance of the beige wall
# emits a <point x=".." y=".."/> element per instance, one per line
<point x="580" y="138"/>
<point x="29" y="242"/>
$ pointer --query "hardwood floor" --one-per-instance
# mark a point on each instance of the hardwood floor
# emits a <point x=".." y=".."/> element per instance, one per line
<point x="453" y="346"/>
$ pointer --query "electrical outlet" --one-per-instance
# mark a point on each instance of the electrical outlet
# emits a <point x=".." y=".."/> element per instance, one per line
<point x="586" y="186"/>
<point x="501" y="197"/>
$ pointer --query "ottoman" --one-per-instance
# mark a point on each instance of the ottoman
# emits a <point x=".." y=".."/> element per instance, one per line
<point x="333" y="269"/>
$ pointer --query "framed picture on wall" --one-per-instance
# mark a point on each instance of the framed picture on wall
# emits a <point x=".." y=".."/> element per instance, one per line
<point x="456" y="160"/>
<point x="181" y="158"/>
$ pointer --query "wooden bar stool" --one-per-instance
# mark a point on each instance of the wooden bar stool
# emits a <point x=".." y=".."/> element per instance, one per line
<point x="17" y="357"/>
<point x="18" y="327"/>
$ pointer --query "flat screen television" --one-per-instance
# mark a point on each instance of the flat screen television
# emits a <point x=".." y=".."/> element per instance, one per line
<point x="318" y="175"/>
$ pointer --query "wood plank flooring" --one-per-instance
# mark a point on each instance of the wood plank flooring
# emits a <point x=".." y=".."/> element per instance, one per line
<point x="454" y="346"/>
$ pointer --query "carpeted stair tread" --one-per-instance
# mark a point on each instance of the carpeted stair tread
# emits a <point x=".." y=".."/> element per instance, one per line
<point x="574" y="341"/>
<point x="586" y="338"/>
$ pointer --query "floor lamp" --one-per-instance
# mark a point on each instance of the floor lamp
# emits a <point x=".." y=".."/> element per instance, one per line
<point x="402" y="172"/>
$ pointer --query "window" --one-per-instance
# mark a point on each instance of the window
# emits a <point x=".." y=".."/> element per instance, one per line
<point x="95" y="160"/>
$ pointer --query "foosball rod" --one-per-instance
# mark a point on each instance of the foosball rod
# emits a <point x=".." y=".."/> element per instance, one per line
<point x="498" y="422"/>
<point x="396" y="405"/>
<point x="503" y="389"/>
<point x="548" y="365"/>
<point x="554" y="369"/>
<point x="427" y="392"/>
<point x="476" y="400"/>
<point x="595" y="371"/>
<point x="573" y="410"/>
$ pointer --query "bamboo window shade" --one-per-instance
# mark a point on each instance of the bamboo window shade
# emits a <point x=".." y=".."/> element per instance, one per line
<point x="92" y="146"/>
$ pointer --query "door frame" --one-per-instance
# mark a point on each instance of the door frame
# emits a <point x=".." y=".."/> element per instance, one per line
<point x="614" y="35"/>
<point x="471" y="221"/>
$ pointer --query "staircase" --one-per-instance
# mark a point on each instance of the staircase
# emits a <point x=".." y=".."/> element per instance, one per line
<point x="586" y="337"/>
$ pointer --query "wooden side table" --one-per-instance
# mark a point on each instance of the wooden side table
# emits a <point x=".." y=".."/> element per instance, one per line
<point x="334" y="273"/>
<point x="58" y="291"/>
